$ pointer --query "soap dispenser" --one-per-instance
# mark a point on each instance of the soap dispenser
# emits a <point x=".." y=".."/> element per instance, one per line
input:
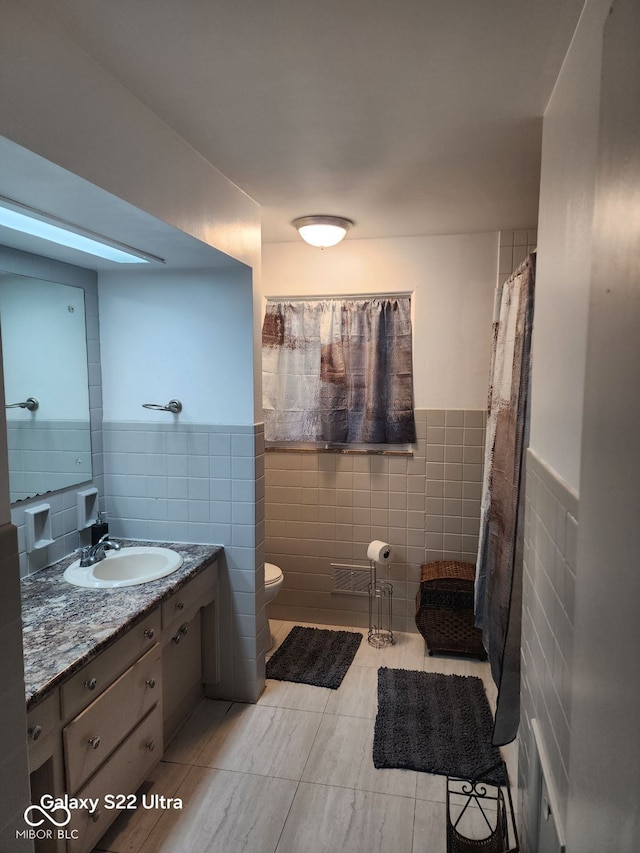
<point x="100" y="528"/>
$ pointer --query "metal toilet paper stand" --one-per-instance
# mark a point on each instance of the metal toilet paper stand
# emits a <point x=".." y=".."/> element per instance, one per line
<point x="380" y="611"/>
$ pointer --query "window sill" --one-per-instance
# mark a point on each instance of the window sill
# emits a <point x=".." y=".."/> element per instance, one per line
<point x="347" y="449"/>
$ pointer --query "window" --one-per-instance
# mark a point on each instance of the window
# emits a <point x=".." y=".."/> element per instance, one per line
<point x="338" y="371"/>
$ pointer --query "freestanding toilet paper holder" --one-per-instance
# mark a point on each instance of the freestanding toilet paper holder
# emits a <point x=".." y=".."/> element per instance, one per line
<point x="380" y="611"/>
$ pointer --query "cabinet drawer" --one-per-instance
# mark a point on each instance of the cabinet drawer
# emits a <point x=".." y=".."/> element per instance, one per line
<point x="83" y="687"/>
<point x="42" y="720"/>
<point x="93" y="734"/>
<point x="182" y="605"/>
<point x="123" y="773"/>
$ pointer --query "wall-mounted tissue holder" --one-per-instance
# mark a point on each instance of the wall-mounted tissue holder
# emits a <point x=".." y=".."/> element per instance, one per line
<point x="37" y="523"/>
<point x="87" y="507"/>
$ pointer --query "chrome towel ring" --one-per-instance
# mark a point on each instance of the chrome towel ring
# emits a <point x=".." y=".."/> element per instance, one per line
<point x="173" y="406"/>
<point x="30" y="403"/>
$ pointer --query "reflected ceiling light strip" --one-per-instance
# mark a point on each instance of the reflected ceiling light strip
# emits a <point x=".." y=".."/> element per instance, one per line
<point x="26" y="220"/>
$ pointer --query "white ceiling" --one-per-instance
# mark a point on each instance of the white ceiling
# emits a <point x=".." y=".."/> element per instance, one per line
<point x="410" y="117"/>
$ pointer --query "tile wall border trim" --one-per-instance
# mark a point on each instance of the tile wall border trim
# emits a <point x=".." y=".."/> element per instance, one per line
<point x="156" y="426"/>
<point x="561" y="490"/>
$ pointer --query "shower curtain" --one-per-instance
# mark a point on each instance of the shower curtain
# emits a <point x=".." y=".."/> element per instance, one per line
<point x="498" y="588"/>
<point x="338" y="371"/>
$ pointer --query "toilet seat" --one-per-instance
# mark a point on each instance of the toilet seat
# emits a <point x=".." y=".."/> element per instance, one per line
<point x="272" y="574"/>
<point x="273" y="580"/>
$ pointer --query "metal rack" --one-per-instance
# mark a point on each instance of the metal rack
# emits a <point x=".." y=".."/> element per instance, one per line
<point x="380" y="611"/>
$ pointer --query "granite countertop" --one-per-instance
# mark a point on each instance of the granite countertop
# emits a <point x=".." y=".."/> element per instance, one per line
<point x="65" y="626"/>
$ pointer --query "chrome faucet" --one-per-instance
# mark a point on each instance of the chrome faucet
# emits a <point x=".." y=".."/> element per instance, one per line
<point x="92" y="554"/>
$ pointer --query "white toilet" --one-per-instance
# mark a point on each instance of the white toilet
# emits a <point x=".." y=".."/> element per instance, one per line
<point x="273" y="579"/>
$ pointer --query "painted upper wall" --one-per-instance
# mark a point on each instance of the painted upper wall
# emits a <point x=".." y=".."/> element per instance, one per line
<point x="177" y="335"/>
<point x="569" y="147"/>
<point x="452" y="279"/>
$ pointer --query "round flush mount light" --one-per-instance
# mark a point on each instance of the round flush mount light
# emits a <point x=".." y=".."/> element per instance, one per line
<point x="322" y="231"/>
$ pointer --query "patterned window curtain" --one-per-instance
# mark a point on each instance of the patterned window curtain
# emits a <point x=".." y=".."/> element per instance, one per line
<point x="338" y="371"/>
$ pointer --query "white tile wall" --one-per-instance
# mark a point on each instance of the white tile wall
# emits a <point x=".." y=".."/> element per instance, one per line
<point x="551" y="526"/>
<point x="514" y="248"/>
<point x="200" y="483"/>
<point x="323" y="508"/>
<point x="42" y="455"/>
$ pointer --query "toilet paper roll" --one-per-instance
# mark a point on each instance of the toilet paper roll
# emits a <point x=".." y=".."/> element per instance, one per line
<point x="379" y="552"/>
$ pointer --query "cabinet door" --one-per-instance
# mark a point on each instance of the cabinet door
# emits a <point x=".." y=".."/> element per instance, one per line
<point x="181" y="674"/>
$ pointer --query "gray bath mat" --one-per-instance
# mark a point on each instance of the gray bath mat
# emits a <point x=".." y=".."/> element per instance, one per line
<point x="315" y="656"/>
<point x="435" y="723"/>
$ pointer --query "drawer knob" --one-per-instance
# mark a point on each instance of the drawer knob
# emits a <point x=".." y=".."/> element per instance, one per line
<point x="150" y="633"/>
<point x="176" y="639"/>
<point x="179" y="605"/>
<point x="35" y="732"/>
<point x="91" y="683"/>
<point x="94" y="742"/>
<point x="151" y="682"/>
<point x="150" y="745"/>
<point x="95" y="815"/>
<point x="184" y="629"/>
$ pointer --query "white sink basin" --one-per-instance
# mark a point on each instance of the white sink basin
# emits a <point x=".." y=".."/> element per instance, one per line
<point x="127" y="567"/>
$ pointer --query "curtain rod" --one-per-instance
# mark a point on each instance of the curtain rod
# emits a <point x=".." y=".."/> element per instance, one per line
<point x="329" y="296"/>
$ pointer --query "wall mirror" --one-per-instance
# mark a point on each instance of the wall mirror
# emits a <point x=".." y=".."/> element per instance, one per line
<point x="44" y="353"/>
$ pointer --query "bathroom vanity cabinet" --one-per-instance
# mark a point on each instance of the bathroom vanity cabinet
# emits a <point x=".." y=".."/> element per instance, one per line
<point x="104" y="727"/>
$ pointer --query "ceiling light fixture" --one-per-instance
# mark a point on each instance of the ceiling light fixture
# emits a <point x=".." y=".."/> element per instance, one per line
<point x="27" y="220"/>
<point x="322" y="231"/>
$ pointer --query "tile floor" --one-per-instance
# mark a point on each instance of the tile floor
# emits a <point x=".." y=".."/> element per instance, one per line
<point x="294" y="773"/>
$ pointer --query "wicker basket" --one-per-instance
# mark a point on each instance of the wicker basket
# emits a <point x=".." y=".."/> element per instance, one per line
<point x="444" y="609"/>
